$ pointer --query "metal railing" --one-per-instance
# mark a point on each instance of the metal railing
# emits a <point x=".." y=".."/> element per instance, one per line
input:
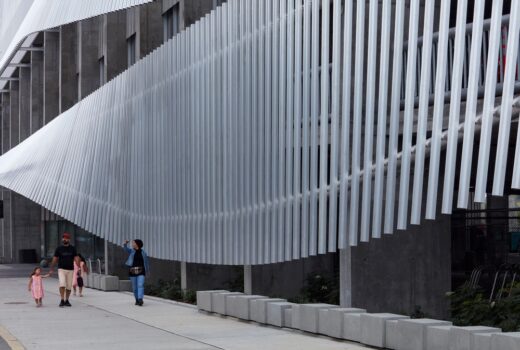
<point x="465" y="77"/>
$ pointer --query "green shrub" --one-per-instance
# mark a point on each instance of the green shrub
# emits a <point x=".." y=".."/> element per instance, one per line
<point x="470" y="307"/>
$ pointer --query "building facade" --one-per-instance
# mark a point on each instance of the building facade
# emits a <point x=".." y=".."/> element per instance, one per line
<point x="374" y="139"/>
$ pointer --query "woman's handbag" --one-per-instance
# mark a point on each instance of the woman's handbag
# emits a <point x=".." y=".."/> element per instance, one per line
<point x="137" y="270"/>
<point x="80" y="281"/>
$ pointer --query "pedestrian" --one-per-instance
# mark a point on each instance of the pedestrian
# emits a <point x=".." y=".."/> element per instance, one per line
<point x="80" y="273"/>
<point x="64" y="256"/>
<point x="36" y="285"/>
<point x="138" y="268"/>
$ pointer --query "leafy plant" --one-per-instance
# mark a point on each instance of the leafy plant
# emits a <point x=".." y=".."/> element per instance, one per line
<point x="171" y="290"/>
<point x="319" y="288"/>
<point x="470" y="307"/>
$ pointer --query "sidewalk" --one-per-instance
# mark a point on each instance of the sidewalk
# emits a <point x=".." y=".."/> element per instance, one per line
<point x="110" y="320"/>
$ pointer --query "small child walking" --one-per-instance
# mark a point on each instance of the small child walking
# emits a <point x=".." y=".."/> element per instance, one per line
<point x="36" y="285"/>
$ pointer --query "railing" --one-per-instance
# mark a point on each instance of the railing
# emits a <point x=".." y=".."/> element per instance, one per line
<point x="465" y="77"/>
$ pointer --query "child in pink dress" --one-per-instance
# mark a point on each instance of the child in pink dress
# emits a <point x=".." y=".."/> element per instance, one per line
<point x="36" y="285"/>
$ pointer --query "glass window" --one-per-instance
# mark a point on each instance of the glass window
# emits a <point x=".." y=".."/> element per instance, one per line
<point x="102" y="71"/>
<point x="131" y="49"/>
<point x="171" y="22"/>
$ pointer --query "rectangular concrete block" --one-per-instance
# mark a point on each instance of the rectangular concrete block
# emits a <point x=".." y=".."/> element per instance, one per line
<point x="259" y="309"/>
<point x="90" y="280"/>
<point x="288" y="317"/>
<point x="125" y="285"/>
<point x="352" y="326"/>
<point x="373" y="328"/>
<point x="460" y="337"/>
<point x="276" y="313"/>
<point x="331" y="320"/>
<point x="505" y="341"/>
<point x="481" y="341"/>
<point x="97" y="281"/>
<point x="438" y="337"/>
<point x="239" y="306"/>
<point x="204" y="299"/>
<point x="219" y="301"/>
<point x="295" y="316"/>
<point x="392" y="336"/>
<point x="413" y="332"/>
<point x="309" y="316"/>
<point x="109" y="283"/>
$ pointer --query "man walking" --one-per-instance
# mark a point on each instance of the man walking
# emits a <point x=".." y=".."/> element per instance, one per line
<point x="65" y="255"/>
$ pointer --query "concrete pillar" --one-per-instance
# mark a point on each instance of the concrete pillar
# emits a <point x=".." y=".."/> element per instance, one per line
<point x="68" y="81"/>
<point x="150" y="29"/>
<point x="51" y="76"/>
<point x="88" y="64"/>
<point x="345" y="277"/>
<point x="7" y="233"/>
<point x="24" y="103"/>
<point x="114" y="47"/>
<point x="6" y="121"/>
<point x="14" y="137"/>
<point x="37" y="107"/>
<point x="248" y="280"/>
<point x="184" y="277"/>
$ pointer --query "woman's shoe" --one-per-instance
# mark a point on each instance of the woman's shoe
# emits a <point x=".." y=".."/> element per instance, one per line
<point x="140" y="302"/>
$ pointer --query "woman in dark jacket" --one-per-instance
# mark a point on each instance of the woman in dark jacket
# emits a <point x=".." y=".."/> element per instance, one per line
<point x="138" y="265"/>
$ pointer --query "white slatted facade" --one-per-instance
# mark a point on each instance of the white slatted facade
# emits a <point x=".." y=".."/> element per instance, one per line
<point x="253" y="137"/>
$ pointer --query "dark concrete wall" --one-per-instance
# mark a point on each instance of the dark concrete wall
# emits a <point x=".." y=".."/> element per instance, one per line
<point x="115" y="47"/>
<point x="150" y="32"/>
<point x="51" y="76"/>
<point x="6" y="121"/>
<point x="68" y="82"/>
<point x="88" y="56"/>
<point x="36" y="118"/>
<point x="26" y="225"/>
<point x="194" y="10"/>
<point x="287" y="279"/>
<point x="407" y="269"/>
<point x="25" y="103"/>
<point x="14" y="126"/>
<point x="205" y="276"/>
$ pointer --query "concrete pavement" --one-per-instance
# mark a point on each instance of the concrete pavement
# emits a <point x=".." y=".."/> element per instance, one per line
<point x="110" y="320"/>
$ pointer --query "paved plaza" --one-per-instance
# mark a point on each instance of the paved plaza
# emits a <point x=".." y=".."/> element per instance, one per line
<point x="109" y="320"/>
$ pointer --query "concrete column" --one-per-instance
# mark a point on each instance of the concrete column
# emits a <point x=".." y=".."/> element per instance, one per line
<point x="24" y="103"/>
<point x="184" y="277"/>
<point x="248" y="280"/>
<point x="14" y="87"/>
<point x="68" y="81"/>
<point x="114" y="47"/>
<point x="6" y="121"/>
<point x="37" y="107"/>
<point x="150" y="30"/>
<point x="88" y="41"/>
<point x="51" y="76"/>
<point x="6" y="227"/>
<point x="345" y="277"/>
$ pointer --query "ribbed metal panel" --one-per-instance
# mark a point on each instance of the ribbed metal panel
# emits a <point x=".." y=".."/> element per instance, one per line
<point x="252" y="137"/>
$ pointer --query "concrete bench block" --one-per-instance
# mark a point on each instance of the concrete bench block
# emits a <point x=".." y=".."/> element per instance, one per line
<point x="204" y="299"/>
<point x="460" y="337"/>
<point x="331" y="320"/>
<point x="505" y="341"/>
<point x="352" y="326"/>
<point x="288" y="317"/>
<point x="90" y="280"/>
<point x="239" y="306"/>
<point x="392" y="336"/>
<point x="437" y="337"/>
<point x="219" y="302"/>
<point x="109" y="283"/>
<point x="259" y="309"/>
<point x="481" y="341"/>
<point x="125" y="285"/>
<point x="276" y="313"/>
<point x="97" y="281"/>
<point x="295" y="316"/>
<point x="309" y="316"/>
<point x="373" y="328"/>
<point x="413" y="332"/>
